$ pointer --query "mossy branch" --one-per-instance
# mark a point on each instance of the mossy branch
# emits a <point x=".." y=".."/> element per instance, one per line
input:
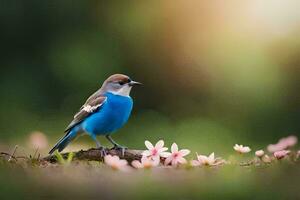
<point x="96" y="155"/>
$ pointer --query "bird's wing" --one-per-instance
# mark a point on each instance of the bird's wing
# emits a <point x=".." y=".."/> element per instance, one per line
<point x="91" y="105"/>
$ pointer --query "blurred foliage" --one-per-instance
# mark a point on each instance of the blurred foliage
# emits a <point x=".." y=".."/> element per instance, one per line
<point x="214" y="73"/>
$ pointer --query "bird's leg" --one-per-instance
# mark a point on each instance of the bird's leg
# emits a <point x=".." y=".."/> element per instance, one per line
<point x="99" y="146"/>
<point x="116" y="145"/>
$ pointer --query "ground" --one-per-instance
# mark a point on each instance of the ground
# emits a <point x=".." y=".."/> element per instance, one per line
<point x="94" y="180"/>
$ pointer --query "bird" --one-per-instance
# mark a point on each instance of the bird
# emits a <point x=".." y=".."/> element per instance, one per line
<point x="103" y="113"/>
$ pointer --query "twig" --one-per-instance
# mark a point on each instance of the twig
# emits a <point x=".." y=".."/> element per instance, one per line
<point x="12" y="155"/>
<point x="36" y="151"/>
<point x="4" y="154"/>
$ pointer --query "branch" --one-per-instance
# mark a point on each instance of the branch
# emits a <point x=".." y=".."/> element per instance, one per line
<point x="95" y="155"/>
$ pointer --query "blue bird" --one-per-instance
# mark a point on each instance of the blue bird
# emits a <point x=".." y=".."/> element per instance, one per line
<point x="103" y="113"/>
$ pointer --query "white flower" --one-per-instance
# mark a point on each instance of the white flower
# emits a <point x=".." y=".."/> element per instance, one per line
<point x="176" y="156"/>
<point x="145" y="162"/>
<point x="207" y="160"/>
<point x="116" y="163"/>
<point x="157" y="151"/>
<point x="241" y="148"/>
<point x="259" y="153"/>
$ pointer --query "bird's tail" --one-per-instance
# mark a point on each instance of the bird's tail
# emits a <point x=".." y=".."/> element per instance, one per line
<point x="64" y="141"/>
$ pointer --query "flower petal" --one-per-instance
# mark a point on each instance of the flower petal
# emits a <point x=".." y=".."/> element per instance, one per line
<point x="184" y="152"/>
<point x="137" y="164"/>
<point x="146" y="153"/>
<point x="165" y="154"/>
<point x="211" y="156"/>
<point x="259" y="153"/>
<point x="110" y="160"/>
<point x="236" y="147"/>
<point x="155" y="163"/>
<point x="174" y="162"/>
<point x="181" y="160"/>
<point x="174" y="147"/>
<point x="162" y="149"/>
<point x="122" y="163"/>
<point x="155" y="159"/>
<point x="159" y="144"/>
<point x="149" y="145"/>
<point x="195" y="163"/>
<point x="246" y="150"/>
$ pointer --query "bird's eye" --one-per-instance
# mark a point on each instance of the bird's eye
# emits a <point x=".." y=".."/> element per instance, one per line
<point x="121" y="83"/>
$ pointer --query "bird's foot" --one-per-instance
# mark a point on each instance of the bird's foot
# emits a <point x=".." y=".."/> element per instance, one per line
<point x="102" y="151"/>
<point x="120" y="148"/>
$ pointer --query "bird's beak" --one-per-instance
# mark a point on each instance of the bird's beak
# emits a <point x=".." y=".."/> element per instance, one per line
<point x="132" y="83"/>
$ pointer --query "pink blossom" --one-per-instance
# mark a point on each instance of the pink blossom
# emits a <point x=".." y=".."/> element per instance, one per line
<point x="259" y="153"/>
<point x="281" y="154"/>
<point x="145" y="162"/>
<point x="116" y="163"/>
<point x="276" y="147"/>
<point x="291" y="141"/>
<point x="241" y="149"/>
<point x="176" y="156"/>
<point x="207" y="160"/>
<point x="38" y="140"/>
<point x="157" y="151"/>
<point x="283" y="143"/>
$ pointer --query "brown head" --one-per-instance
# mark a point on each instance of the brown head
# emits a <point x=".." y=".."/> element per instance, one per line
<point x="119" y="84"/>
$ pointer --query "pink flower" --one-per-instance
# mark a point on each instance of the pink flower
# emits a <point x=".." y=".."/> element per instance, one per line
<point x="38" y="140"/>
<point x="290" y="141"/>
<point x="145" y="162"/>
<point x="281" y="154"/>
<point x="276" y="147"/>
<point x="241" y="149"/>
<point x="259" y="153"/>
<point x="157" y="151"/>
<point x="116" y="163"/>
<point x="176" y="156"/>
<point x="207" y="160"/>
<point x="283" y="143"/>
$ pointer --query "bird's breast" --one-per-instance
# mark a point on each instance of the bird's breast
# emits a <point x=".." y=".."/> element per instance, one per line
<point x="119" y="103"/>
<point x="112" y="116"/>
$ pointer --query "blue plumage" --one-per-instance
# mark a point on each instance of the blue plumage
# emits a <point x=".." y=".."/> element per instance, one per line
<point x="64" y="141"/>
<point x="104" y="112"/>
<point x="113" y="114"/>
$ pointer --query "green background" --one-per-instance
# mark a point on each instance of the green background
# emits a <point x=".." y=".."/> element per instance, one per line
<point x="214" y="73"/>
<point x="211" y="71"/>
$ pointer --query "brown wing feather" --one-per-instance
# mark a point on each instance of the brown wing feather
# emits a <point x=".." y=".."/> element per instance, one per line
<point x="91" y="105"/>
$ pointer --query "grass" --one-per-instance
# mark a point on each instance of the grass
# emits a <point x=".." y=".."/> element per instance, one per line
<point x="29" y="179"/>
<point x="63" y="161"/>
